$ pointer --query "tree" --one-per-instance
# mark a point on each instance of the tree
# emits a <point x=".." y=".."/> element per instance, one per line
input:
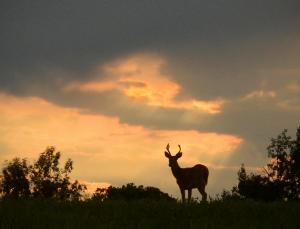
<point x="43" y="179"/>
<point x="281" y="180"/>
<point x="50" y="181"/>
<point x="15" y="179"/>
<point x="284" y="167"/>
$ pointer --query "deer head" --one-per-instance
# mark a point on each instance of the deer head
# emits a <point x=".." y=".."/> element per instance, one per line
<point x="173" y="159"/>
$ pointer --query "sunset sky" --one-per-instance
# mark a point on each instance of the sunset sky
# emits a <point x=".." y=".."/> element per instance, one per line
<point x="111" y="83"/>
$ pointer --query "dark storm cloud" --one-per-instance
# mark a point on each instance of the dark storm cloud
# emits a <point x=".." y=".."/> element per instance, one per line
<point x="214" y="49"/>
<point x="39" y="38"/>
<point x="233" y="70"/>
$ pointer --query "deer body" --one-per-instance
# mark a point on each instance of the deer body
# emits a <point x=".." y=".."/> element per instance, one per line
<point x="188" y="178"/>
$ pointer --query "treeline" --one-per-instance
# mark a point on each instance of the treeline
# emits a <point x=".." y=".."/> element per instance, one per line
<point x="280" y="178"/>
<point x="44" y="178"/>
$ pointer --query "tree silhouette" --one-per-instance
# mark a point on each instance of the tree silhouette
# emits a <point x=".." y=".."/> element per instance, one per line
<point x="15" y="179"/>
<point x="284" y="167"/>
<point x="43" y="179"/>
<point x="281" y="180"/>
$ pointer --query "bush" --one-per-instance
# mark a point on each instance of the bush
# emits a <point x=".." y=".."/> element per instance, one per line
<point x="130" y="192"/>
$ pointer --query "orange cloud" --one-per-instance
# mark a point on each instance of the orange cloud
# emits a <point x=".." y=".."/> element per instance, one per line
<point x="103" y="149"/>
<point x="293" y="87"/>
<point x="139" y="77"/>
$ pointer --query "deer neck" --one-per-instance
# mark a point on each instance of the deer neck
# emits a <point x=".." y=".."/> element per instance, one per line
<point x="176" y="170"/>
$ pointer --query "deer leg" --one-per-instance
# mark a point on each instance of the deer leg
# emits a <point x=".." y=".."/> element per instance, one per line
<point x="189" y="195"/>
<point x="182" y="195"/>
<point x="203" y="193"/>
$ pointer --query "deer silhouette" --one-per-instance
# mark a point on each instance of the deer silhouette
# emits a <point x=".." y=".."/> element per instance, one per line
<point x="188" y="178"/>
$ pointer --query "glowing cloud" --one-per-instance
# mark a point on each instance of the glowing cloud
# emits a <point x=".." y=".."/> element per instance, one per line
<point x="103" y="149"/>
<point x="293" y="87"/>
<point x="261" y="94"/>
<point x="139" y="77"/>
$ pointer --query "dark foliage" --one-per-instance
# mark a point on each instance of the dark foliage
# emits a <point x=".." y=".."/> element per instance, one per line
<point x="43" y="179"/>
<point x="130" y="192"/>
<point x="281" y="180"/>
<point x="227" y="195"/>
<point x="284" y="168"/>
<point x="15" y="179"/>
<point x="50" y="181"/>
<point x="258" y="187"/>
<point x="51" y="214"/>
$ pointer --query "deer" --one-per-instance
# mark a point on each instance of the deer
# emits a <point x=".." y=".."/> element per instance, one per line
<point x="188" y="178"/>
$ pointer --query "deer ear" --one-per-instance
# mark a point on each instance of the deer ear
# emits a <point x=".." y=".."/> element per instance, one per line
<point x="167" y="154"/>
<point x="178" y="155"/>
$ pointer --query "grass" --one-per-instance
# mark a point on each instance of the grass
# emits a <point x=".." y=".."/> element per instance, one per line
<point x="147" y="214"/>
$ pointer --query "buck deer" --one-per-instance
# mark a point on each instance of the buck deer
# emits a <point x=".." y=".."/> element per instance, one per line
<point x="188" y="178"/>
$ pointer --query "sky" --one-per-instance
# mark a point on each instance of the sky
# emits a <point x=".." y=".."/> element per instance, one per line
<point x="111" y="83"/>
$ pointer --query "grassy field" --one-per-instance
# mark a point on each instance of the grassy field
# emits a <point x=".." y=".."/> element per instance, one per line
<point x="147" y="214"/>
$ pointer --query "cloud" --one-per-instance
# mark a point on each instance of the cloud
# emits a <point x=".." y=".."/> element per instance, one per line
<point x="155" y="102"/>
<point x="137" y="91"/>
<point x="139" y="78"/>
<point x="103" y="149"/>
<point x="233" y="70"/>
<point x="41" y="38"/>
<point x="261" y="94"/>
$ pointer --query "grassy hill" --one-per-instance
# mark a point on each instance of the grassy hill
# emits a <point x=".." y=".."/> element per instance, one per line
<point x="147" y="214"/>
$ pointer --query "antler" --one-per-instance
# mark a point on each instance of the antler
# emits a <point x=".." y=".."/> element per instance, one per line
<point x="168" y="148"/>
<point x="179" y="149"/>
